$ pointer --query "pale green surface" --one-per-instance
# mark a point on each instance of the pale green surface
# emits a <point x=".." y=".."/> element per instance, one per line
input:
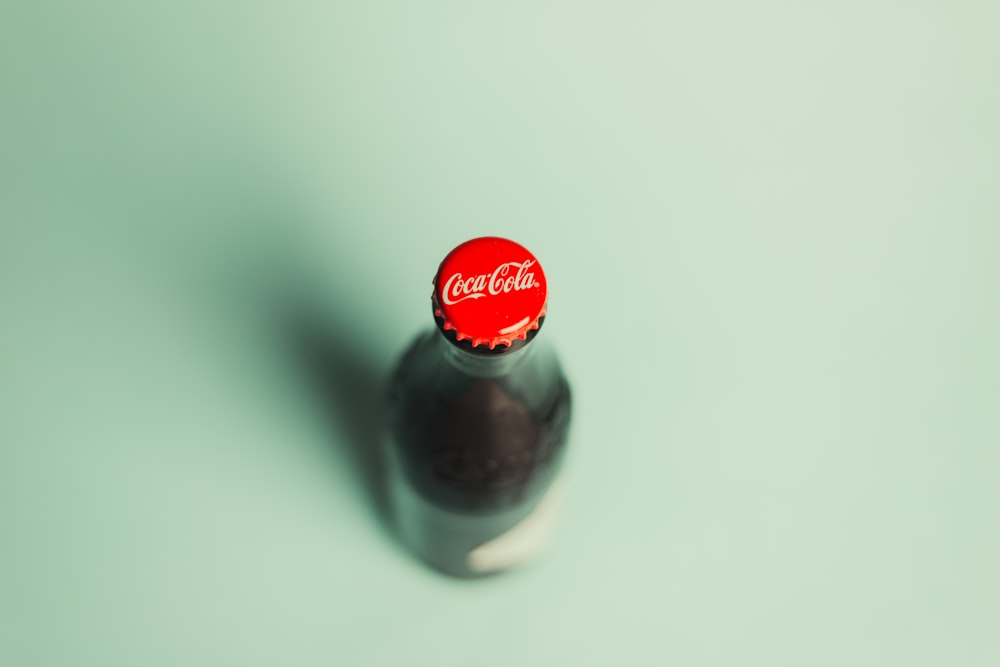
<point x="773" y="239"/>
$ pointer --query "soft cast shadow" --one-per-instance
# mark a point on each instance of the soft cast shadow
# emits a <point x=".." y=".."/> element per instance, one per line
<point x="350" y="387"/>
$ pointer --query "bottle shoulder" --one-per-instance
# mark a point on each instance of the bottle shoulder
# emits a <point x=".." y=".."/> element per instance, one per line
<point x="535" y="377"/>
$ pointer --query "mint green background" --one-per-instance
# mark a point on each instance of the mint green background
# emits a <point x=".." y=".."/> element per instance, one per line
<point x="771" y="234"/>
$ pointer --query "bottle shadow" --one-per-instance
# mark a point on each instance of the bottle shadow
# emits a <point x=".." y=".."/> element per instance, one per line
<point x="248" y="257"/>
<point x="350" y="387"/>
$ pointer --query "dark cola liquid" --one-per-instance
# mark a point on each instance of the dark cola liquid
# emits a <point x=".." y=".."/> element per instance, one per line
<point x="476" y="440"/>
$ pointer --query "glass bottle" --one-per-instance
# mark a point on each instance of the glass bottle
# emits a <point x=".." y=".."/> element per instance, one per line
<point x="479" y="411"/>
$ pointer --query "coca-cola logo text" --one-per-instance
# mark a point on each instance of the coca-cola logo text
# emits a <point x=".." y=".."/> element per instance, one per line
<point x="503" y="280"/>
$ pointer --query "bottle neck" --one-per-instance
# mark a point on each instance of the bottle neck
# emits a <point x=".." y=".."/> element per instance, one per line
<point x="483" y="365"/>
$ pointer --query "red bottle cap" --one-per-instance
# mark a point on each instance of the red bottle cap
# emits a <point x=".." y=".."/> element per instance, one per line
<point x="490" y="291"/>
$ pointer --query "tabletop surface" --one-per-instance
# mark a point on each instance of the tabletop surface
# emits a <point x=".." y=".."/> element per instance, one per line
<point x="772" y="238"/>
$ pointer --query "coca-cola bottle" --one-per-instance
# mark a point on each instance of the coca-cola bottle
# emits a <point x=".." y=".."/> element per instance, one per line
<point x="478" y="416"/>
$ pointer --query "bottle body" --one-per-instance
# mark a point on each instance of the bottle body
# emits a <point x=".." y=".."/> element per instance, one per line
<point x="476" y="442"/>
